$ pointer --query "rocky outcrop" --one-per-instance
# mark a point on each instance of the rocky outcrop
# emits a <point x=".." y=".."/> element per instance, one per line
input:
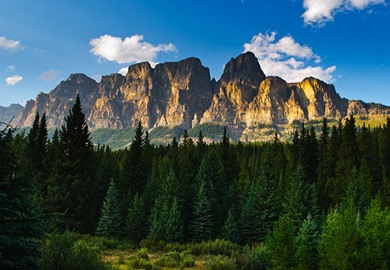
<point x="235" y="90"/>
<point x="8" y="113"/>
<point x="182" y="94"/>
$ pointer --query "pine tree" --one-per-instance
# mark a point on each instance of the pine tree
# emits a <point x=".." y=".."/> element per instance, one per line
<point x="110" y="219"/>
<point x="134" y="174"/>
<point x="202" y="226"/>
<point x="322" y="172"/>
<point x="174" y="230"/>
<point x="251" y="225"/>
<point x="36" y="156"/>
<point x="300" y="199"/>
<point x="307" y="254"/>
<point x="349" y="157"/>
<point x="166" y="217"/>
<point x="136" y="222"/>
<point x="355" y="193"/>
<point x="72" y="175"/>
<point x="230" y="230"/>
<point x="281" y="244"/>
<point x="340" y="239"/>
<point x="20" y="221"/>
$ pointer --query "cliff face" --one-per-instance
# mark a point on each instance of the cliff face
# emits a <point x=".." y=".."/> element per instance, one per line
<point x="182" y="94"/>
<point x="235" y="90"/>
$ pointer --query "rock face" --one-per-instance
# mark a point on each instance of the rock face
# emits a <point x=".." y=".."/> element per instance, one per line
<point x="183" y="94"/>
<point x="7" y="113"/>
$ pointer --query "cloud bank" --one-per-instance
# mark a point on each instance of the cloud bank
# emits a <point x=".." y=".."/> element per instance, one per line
<point x="319" y="12"/>
<point x="49" y="75"/>
<point x="9" y="44"/>
<point x="287" y="58"/>
<point x="130" y="50"/>
<point x="13" y="79"/>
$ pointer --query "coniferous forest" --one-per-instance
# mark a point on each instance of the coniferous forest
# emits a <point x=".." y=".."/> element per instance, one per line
<point x="318" y="202"/>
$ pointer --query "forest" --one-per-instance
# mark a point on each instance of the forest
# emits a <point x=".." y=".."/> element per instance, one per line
<point x="318" y="202"/>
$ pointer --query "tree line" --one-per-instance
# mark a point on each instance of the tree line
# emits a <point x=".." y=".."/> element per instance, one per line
<point x="320" y="201"/>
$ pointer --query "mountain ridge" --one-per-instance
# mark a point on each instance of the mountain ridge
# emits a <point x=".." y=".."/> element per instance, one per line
<point x="182" y="94"/>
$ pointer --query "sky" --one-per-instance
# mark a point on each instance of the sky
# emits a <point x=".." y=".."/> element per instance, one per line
<point x="343" y="42"/>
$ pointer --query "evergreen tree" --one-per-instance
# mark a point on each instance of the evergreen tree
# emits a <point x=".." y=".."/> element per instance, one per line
<point x="136" y="222"/>
<point x="134" y="174"/>
<point x="36" y="156"/>
<point x="355" y="193"/>
<point x="307" y="254"/>
<point x="202" y="227"/>
<point x="338" y="246"/>
<point x="174" y="230"/>
<point x="230" y="230"/>
<point x="110" y="219"/>
<point x="322" y="172"/>
<point x="348" y="158"/>
<point x="332" y="193"/>
<point x="20" y="222"/>
<point x="375" y="232"/>
<point x="281" y="244"/>
<point x="166" y="217"/>
<point x="72" y="175"/>
<point x="251" y="225"/>
<point x="301" y="198"/>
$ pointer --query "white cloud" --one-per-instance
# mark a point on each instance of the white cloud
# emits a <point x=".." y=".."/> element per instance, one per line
<point x="49" y="75"/>
<point x="9" y="44"/>
<point x="130" y="50"/>
<point x="287" y="58"/>
<point x="319" y="12"/>
<point x="123" y="71"/>
<point x="13" y="79"/>
<point x="10" y="68"/>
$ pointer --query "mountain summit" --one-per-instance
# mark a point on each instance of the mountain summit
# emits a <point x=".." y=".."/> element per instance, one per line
<point x="182" y="94"/>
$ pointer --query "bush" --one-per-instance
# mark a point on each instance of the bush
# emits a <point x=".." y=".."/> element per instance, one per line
<point x="216" y="247"/>
<point x="221" y="263"/>
<point x="139" y="263"/>
<point x="63" y="251"/>
<point x="188" y="260"/>
<point x="153" y="245"/>
<point x="170" y="259"/>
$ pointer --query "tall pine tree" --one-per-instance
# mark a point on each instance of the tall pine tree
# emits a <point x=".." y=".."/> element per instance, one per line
<point x="110" y="221"/>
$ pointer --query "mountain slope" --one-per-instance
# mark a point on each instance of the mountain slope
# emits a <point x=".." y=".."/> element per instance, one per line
<point x="182" y="95"/>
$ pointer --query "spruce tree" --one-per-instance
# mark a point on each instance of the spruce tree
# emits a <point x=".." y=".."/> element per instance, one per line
<point x="301" y="198"/>
<point x="338" y="246"/>
<point x="136" y="222"/>
<point x="134" y="174"/>
<point x="307" y="255"/>
<point x="281" y="244"/>
<point x="166" y="217"/>
<point x="251" y="226"/>
<point x="110" y="221"/>
<point x="230" y="230"/>
<point x="202" y="227"/>
<point x="20" y="221"/>
<point x="73" y="174"/>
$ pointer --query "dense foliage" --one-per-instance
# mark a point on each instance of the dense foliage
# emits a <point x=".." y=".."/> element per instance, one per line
<point x="321" y="201"/>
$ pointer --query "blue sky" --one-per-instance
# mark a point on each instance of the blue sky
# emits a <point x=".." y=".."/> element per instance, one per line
<point x="344" y="42"/>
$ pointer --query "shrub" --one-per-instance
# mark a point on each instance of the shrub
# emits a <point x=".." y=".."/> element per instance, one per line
<point x="170" y="259"/>
<point x="63" y="251"/>
<point x="221" y="263"/>
<point x="216" y="247"/>
<point x="187" y="261"/>
<point x="139" y="263"/>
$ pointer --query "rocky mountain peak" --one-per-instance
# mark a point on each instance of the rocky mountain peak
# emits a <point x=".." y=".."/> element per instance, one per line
<point x="182" y="94"/>
<point x="244" y="69"/>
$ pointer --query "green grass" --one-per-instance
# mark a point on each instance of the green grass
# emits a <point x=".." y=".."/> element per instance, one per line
<point x="114" y="138"/>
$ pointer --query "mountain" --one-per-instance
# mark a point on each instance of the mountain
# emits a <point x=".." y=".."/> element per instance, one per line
<point x="7" y="113"/>
<point x="182" y="95"/>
